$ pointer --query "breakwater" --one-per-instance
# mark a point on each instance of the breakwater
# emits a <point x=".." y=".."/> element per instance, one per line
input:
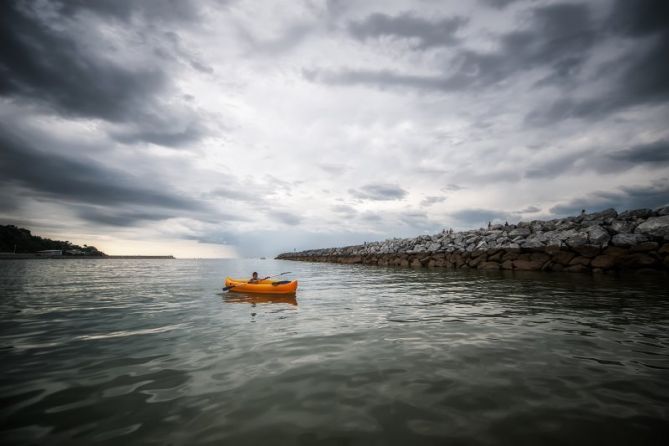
<point x="596" y="242"/>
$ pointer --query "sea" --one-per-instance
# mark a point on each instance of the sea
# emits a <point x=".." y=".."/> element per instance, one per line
<point x="153" y="352"/>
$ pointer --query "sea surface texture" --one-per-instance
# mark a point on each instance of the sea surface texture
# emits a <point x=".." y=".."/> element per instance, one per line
<point x="152" y="352"/>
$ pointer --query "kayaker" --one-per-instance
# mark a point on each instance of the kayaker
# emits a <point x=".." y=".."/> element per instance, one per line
<point x="254" y="278"/>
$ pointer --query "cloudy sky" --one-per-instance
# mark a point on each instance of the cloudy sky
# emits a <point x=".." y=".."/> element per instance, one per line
<point x="246" y="128"/>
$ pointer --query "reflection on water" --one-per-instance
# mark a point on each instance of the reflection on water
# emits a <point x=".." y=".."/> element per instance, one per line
<point x="251" y="298"/>
<point x="147" y="352"/>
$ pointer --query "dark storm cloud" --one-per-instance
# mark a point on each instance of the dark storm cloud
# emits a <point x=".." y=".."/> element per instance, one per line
<point x="426" y="33"/>
<point x="499" y="4"/>
<point x="657" y="152"/>
<point x="654" y="155"/>
<point x="638" y="77"/>
<point x="529" y="210"/>
<point x="120" y="217"/>
<point x="126" y="10"/>
<point x="379" y="192"/>
<point x="633" y="197"/>
<point x="45" y="64"/>
<point x="84" y="182"/>
<point x="557" y="39"/>
<point x="639" y="18"/>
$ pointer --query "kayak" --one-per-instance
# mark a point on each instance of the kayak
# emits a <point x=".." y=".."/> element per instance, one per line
<point x="262" y="287"/>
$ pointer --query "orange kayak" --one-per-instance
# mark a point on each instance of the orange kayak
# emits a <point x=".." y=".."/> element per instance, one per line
<point x="262" y="287"/>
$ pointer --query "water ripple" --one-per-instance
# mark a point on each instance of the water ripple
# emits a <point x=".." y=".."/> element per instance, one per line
<point x="151" y="352"/>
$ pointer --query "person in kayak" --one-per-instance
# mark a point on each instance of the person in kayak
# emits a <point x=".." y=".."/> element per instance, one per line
<point x="254" y="278"/>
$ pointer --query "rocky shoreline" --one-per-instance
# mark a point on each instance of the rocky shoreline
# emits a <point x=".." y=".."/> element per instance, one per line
<point x="605" y="241"/>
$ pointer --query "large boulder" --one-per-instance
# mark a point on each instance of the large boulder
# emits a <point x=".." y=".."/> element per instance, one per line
<point x="662" y="210"/>
<point x="626" y="240"/>
<point x="528" y="265"/>
<point x="532" y="243"/>
<point x="655" y="227"/>
<point x="563" y="257"/>
<point x="576" y="240"/>
<point x="635" y="213"/>
<point x="604" y="262"/>
<point x="597" y="235"/>
<point x="588" y="250"/>
<point x="434" y="247"/>
<point x="520" y="232"/>
<point x="489" y="266"/>
<point x="622" y="227"/>
<point x="606" y="213"/>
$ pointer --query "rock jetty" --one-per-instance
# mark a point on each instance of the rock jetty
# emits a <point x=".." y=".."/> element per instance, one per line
<point x="597" y="242"/>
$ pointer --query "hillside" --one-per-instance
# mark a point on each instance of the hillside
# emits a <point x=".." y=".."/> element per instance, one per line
<point x="25" y="242"/>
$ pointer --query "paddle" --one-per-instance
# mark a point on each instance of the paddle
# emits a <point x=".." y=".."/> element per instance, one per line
<point x="281" y="282"/>
<point x="265" y="278"/>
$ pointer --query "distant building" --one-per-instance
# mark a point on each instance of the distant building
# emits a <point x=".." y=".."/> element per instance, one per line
<point x="50" y="252"/>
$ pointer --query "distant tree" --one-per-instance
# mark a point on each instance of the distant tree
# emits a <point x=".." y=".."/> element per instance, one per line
<point x="21" y="239"/>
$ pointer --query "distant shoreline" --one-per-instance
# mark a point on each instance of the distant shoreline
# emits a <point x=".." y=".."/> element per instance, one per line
<point x="35" y="256"/>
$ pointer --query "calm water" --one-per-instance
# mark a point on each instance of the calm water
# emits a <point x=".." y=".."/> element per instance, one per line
<point x="150" y="352"/>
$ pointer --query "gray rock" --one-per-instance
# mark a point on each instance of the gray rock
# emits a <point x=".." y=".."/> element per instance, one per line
<point x="554" y="243"/>
<point x="635" y="213"/>
<point x="510" y="246"/>
<point x="434" y="247"/>
<point x="576" y="240"/>
<point x="566" y="235"/>
<point x="597" y="235"/>
<point x="481" y="246"/>
<point x="655" y="227"/>
<point x="625" y="240"/>
<point x="662" y="210"/>
<point x="532" y="243"/>
<point x="606" y="213"/>
<point x="520" y="231"/>
<point x="622" y="227"/>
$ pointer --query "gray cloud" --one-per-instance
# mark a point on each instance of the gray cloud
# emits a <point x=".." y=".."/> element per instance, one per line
<point x="429" y="201"/>
<point x="426" y="33"/>
<point x="628" y="197"/>
<point x="639" y="18"/>
<point x="43" y="64"/>
<point x="638" y="76"/>
<point x="480" y="217"/>
<point x="85" y="182"/>
<point x="285" y="217"/>
<point x="344" y="209"/>
<point x="126" y="10"/>
<point x="87" y="88"/>
<point x="379" y="192"/>
<point x="498" y="4"/>
<point x="656" y="153"/>
<point x="558" y="39"/>
<point x="451" y="188"/>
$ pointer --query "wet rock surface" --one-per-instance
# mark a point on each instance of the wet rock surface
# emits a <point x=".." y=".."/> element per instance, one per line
<point x="599" y="242"/>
